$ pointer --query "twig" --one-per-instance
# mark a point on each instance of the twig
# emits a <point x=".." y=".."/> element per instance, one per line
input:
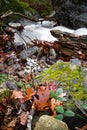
<point x="76" y="128"/>
<point x="26" y="17"/>
<point x="19" y="14"/>
<point x="79" y="106"/>
<point x="30" y="118"/>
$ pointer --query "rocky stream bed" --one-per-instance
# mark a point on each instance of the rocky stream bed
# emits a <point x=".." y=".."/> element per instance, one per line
<point x="34" y="50"/>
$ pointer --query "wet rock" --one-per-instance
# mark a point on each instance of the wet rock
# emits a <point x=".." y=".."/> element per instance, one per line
<point x="28" y="53"/>
<point x="11" y="85"/>
<point x="50" y="123"/>
<point x="71" y="13"/>
<point x="29" y="44"/>
<point x="23" y="55"/>
<point x="53" y="54"/>
<point x="17" y="26"/>
<point x="9" y="31"/>
<point x="36" y="66"/>
<point x="32" y="51"/>
<point x="72" y="44"/>
<point x="20" y="46"/>
<point x="20" y="74"/>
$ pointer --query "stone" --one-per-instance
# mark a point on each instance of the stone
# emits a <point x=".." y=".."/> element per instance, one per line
<point x="23" y="55"/>
<point x="71" y="44"/>
<point x="19" y="46"/>
<point x="28" y="53"/>
<point x="46" y="122"/>
<point x="17" y="26"/>
<point x="71" y="13"/>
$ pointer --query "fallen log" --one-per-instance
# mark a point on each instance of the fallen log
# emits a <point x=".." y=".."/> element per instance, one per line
<point x="71" y="44"/>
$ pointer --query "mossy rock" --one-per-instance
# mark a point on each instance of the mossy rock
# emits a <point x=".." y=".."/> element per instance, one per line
<point x="46" y="122"/>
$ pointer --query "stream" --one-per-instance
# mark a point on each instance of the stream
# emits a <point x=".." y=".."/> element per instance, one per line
<point x="40" y="31"/>
<point x="36" y="30"/>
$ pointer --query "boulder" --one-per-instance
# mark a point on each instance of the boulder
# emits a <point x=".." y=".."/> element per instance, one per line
<point x="46" y="122"/>
<point x="71" y="44"/>
<point x="71" y="13"/>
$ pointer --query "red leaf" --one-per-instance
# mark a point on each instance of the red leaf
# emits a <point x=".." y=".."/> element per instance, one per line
<point x="44" y="96"/>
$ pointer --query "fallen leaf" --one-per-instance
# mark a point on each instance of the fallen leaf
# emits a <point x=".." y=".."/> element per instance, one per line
<point x="55" y="103"/>
<point x="84" y="127"/>
<point x="2" y="108"/>
<point x="23" y="118"/>
<point x="30" y="93"/>
<point x="44" y="96"/>
<point x="12" y="123"/>
<point x="17" y="95"/>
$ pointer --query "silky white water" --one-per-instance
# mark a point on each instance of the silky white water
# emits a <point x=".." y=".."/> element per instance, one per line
<point x="42" y="31"/>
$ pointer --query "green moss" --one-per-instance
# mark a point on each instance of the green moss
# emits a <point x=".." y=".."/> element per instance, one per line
<point x="71" y="77"/>
<point x="3" y="78"/>
<point x="5" y="93"/>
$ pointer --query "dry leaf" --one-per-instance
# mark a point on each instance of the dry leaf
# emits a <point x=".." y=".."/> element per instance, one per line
<point x="24" y="118"/>
<point x="55" y="103"/>
<point x="84" y="127"/>
<point x="30" y="93"/>
<point x="44" y="96"/>
<point x="12" y="123"/>
<point x="17" y="94"/>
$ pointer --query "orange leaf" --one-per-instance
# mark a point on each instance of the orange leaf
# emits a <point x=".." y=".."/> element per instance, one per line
<point x="55" y="103"/>
<point x="84" y="127"/>
<point x="30" y="93"/>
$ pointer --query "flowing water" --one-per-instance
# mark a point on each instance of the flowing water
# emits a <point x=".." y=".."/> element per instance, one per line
<point x="36" y="30"/>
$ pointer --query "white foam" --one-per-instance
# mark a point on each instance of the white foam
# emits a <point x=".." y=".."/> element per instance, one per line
<point x="40" y="32"/>
<point x="63" y="29"/>
<point x="81" y="31"/>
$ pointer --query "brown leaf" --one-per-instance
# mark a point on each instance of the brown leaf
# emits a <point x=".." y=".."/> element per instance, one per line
<point x="84" y="127"/>
<point x="30" y="76"/>
<point x="7" y="128"/>
<point x="2" y="108"/>
<point x="17" y="95"/>
<point x="24" y="117"/>
<point x="12" y="123"/>
<point x="55" y="103"/>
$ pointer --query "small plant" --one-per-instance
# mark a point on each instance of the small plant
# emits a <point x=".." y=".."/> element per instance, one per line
<point x="3" y="78"/>
<point x="59" y="95"/>
<point x="20" y="84"/>
<point x="62" y="113"/>
<point x="84" y="106"/>
<point x="71" y="77"/>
